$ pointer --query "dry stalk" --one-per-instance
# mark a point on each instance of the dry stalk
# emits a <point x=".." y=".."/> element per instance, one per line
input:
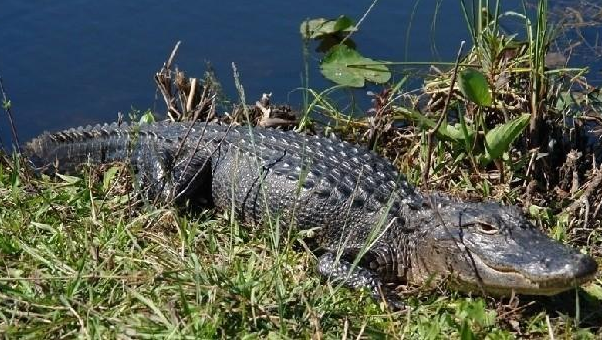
<point x="427" y="166"/>
<point x="9" y="115"/>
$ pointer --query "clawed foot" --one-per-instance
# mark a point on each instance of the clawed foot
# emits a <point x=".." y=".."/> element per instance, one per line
<point x="358" y="278"/>
<point x="392" y="300"/>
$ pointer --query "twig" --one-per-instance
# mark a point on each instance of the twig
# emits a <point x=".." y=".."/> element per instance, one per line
<point x="425" y="170"/>
<point x="172" y="55"/>
<point x="9" y="114"/>
<point x="594" y="184"/>
<point x="162" y="78"/>
<point x="82" y="325"/>
<point x="164" y="86"/>
<point x="357" y="26"/>
<point x="191" y="94"/>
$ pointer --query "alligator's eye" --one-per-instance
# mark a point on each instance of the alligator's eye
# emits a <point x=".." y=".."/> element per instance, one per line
<point x="486" y="228"/>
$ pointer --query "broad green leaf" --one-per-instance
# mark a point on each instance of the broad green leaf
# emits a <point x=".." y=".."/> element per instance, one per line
<point x="147" y="118"/>
<point x="69" y="179"/>
<point x="498" y="139"/>
<point x="594" y="290"/>
<point x="347" y="67"/>
<point x="474" y="87"/>
<point x="564" y="101"/>
<point x="108" y="177"/>
<point x="467" y="133"/>
<point x="316" y="28"/>
<point x="466" y="333"/>
<point x="455" y="132"/>
<point x="9" y="247"/>
<point x="541" y="213"/>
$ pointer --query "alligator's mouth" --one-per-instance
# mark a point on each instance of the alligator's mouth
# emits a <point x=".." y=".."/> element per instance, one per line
<point x="498" y="281"/>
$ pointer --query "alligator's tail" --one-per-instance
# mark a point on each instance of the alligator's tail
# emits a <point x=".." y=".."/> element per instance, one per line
<point x="64" y="151"/>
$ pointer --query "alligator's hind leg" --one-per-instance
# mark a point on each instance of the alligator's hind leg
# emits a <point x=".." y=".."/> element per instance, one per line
<point x="168" y="176"/>
<point x="342" y="271"/>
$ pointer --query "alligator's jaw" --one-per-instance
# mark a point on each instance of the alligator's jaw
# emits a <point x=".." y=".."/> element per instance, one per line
<point x="506" y="283"/>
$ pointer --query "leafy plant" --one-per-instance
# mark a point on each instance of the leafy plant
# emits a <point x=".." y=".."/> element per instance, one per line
<point x="498" y="139"/>
<point x="346" y="66"/>
<point x="342" y="63"/>
<point x="321" y="27"/>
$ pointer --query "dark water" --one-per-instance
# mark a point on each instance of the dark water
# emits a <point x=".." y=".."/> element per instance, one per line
<point x="73" y="62"/>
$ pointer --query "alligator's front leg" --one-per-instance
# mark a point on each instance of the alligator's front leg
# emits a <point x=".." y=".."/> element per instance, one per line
<point x="342" y="271"/>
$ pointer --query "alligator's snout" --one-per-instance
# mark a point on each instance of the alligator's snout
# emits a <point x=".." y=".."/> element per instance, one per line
<point x="568" y="271"/>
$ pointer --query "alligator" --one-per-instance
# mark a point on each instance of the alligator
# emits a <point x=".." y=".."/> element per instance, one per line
<point x="368" y="227"/>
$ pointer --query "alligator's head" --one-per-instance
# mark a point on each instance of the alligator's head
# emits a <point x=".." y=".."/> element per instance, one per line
<point x="485" y="246"/>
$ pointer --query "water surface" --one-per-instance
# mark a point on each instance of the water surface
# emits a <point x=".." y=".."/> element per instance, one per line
<point x="75" y="62"/>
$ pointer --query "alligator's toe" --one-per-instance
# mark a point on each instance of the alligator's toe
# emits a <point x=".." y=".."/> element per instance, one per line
<point x="393" y="300"/>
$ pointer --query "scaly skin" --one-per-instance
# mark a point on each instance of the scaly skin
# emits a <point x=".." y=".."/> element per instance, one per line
<point x="371" y="226"/>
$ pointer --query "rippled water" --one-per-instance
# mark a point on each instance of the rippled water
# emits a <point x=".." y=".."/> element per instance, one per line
<point x="73" y="62"/>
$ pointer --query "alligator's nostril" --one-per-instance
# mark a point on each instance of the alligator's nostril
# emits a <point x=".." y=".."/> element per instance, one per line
<point x="546" y="262"/>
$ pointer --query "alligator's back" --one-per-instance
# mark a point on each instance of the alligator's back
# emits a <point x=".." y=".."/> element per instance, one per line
<point x="316" y="182"/>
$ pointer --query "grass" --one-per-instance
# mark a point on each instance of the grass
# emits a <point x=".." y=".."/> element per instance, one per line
<point x="81" y="257"/>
